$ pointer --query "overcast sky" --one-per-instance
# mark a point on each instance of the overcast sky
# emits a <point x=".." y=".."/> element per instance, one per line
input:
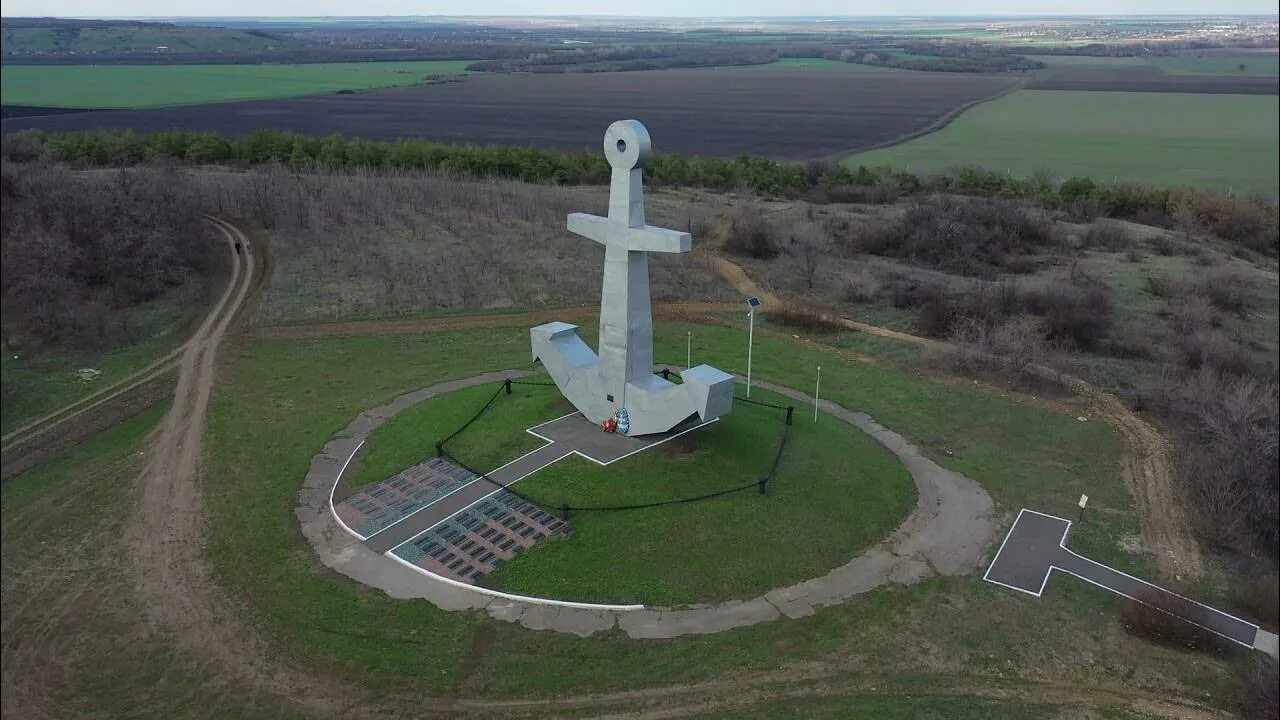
<point x="651" y="8"/>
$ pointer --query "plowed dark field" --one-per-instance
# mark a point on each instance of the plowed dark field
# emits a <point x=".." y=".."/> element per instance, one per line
<point x="718" y="112"/>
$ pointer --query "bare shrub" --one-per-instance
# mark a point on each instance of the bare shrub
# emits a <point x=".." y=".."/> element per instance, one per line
<point x="807" y="249"/>
<point x="749" y="232"/>
<point x="1229" y="291"/>
<point x="1075" y="314"/>
<point x="1162" y="286"/>
<point x="807" y="317"/>
<point x="961" y="235"/>
<point x="1209" y="348"/>
<point x="1152" y="618"/>
<point x="861" y="287"/>
<point x="1010" y="348"/>
<point x="1230" y="461"/>
<point x="1106" y="235"/>
<point x="1190" y="314"/>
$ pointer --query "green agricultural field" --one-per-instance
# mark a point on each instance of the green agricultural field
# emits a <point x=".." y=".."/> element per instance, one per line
<point x="1254" y="64"/>
<point x="1213" y="142"/>
<point x="135" y="86"/>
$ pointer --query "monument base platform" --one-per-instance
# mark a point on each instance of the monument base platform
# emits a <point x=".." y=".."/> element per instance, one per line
<point x="581" y="436"/>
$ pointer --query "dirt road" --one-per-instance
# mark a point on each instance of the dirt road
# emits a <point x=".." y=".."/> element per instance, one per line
<point x="166" y="532"/>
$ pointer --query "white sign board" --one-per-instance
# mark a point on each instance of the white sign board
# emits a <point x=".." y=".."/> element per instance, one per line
<point x="1084" y="500"/>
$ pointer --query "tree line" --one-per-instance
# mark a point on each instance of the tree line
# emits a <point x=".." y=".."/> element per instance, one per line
<point x="1245" y="221"/>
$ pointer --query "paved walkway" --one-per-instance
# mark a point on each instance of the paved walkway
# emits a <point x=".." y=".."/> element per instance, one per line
<point x="1036" y="546"/>
<point x="946" y="534"/>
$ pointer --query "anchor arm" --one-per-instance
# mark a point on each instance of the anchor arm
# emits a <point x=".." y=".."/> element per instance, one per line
<point x="592" y="227"/>
<point x="656" y="239"/>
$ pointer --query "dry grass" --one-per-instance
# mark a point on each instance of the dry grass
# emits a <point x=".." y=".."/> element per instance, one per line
<point x="367" y="245"/>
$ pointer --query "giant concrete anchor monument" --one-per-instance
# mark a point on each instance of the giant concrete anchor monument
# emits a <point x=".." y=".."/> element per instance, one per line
<point x="620" y="382"/>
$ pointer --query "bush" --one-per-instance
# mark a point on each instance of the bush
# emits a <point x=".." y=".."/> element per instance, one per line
<point x="1229" y="454"/>
<point x="749" y="233"/>
<point x="1162" y="287"/>
<point x="861" y="287"/>
<point x="1010" y="347"/>
<point x="1154" y="617"/>
<point x="1106" y="235"/>
<point x="1074" y="314"/>
<point x="1189" y="314"/>
<point x="1228" y="291"/>
<point x="803" y="316"/>
<point x="960" y="235"/>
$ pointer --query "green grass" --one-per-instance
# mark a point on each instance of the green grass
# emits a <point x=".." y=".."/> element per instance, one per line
<point x="819" y="65"/>
<point x="277" y="402"/>
<point x="1254" y="64"/>
<point x="837" y="492"/>
<point x="134" y="86"/>
<point x="497" y="437"/>
<point x="66" y="591"/>
<point x="1215" y="142"/>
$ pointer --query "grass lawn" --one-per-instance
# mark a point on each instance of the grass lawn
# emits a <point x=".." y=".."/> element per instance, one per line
<point x="135" y="86"/>
<point x="496" y="438"/>
<point x="836" y="492"/>
<point x="1214" y="142"/>
<point x="277" y="402"/>
<point x="820" y="65"/>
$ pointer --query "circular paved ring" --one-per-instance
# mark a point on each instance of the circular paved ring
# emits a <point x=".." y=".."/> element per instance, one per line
<point x="947" y="533"/>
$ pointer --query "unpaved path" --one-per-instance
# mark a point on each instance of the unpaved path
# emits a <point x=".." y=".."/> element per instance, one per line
<point x="166" y="533"/>
<point x="1147" y="464"/>
<point x="45" y="423"/>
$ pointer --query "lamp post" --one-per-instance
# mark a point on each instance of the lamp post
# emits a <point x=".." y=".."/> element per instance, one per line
<point x="688" y="349"/>
<point x="816" y="385"/>
<point x="752" y="302"/>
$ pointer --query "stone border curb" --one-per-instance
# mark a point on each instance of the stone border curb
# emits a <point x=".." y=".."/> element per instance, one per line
<point x="946" y="534"/>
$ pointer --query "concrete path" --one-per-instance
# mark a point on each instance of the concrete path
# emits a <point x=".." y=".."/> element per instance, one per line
<point x="946" y="534"/>
<point x="1036" y="546"/>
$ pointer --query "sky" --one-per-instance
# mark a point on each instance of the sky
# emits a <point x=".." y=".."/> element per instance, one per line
<point x="648" y="8"/>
